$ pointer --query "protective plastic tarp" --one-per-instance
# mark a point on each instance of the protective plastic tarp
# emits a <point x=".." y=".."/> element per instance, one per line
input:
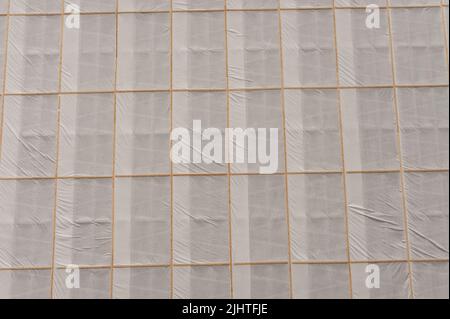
<point x="89" y="193"/>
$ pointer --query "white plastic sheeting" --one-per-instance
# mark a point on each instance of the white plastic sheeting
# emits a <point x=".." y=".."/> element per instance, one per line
<point x="85" y="171"/>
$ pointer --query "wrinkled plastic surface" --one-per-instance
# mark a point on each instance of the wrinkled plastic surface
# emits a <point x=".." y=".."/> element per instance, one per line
<point x="85" y="170"/>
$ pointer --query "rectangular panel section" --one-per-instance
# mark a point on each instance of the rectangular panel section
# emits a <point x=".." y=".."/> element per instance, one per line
<point x="142" y="283"/>
<point x="198" y="4"/>
<point x="142" y="221"/>
<point x="428" y="207"/>
<point x="363" y="47"/>
<point x="376" y="224"/>
<point x="87" y="126"/>
<point x="259" y="227"/>
<point x="391" y="279"/>
<point x="253" y="49"/>
<point x="200" y="230"/>
<point x="94" y="284"/>
<point x="424" y="125"/>
<point x="252" y="4"/>
<point x="199" y="50"/>
<point x="419" y="46"/>
<point x="369" y="129"/>
<point x="202" y="282"/>
<point x="312" y="130"/>
<point x="206" y="146"/>
<point x="35" y="6"/>
<point x="317" y="210"/>
<point x="25" y="284"/>
<point x="308" y="47"/>
<point x="144" y="5"/>
<point x="26" y="223"/>
<point x="83" y="222"/>
<point x="29" y="136"/>
<point x="261" y="282"/>
<point x="430" y="280"/>
<point x="143" y="133"/>
<point x="251" y="111"/>
<point x="321" y="281"/>
<point x="144" y="51"/>
<point x="33" y="54"/>
<point x="89" y="54"/>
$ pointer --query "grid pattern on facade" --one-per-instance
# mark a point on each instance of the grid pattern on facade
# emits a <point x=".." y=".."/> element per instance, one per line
<point x="86" y="176"/>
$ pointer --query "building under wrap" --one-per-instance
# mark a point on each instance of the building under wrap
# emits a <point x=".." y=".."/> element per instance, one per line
<point x="90" y="91"/>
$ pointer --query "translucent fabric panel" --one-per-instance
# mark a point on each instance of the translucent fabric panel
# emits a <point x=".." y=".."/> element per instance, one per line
<point x="200" y="231"/>
<point x="144" y="5"/>
<point x="253" y="49"/>
<point x="211" y="109"/>
<point x="252" y="4"/>
<point x="89" y="54"/>
<point x="25" y="284"/>
<point x="445" y="18"/>
<point x="3" y="44"/>
<point x="364" y="53"/>
<point x="428" y="207"/>
<point x="4" y="6"/>
<point x="321" y="281"/>
<point x="29" y="136"/>
<point x="356" y="3"/>
<point x="198" y="4"/>
<point x="305" y="3"/>
<point x="430" y="280"/>
<point x="424" y="124"/>
<point x="94" y="284"/>
<point x="141" y="283"/>
<point x="26" y="210"/>
<point x="419" y="46"/>
<point x="94" y="6"/>
<point x="143" y="129"/>
<point x="35" y="6"/>
<point x="86" y="144"/>
<point x="376" y="223"/>
<point x="414" y="2"/>
<point x="370" y="129"/>
<point x="202" y="282"/>
<point x="358" y="176"/>
<point x="142" y="221"/>
<point x="255" y="110"/>
<point x="312" y="130"/>
<point x="261" y="282"/>
<point x="259" y="227"/>
<point x="308" y="47"/>
<point x="317" y="210"/>
<point x="83" y="222"/>
<point x="143" y="53"/>
<point x="199" y="50"/>
<point x="33" y="54"/>
<point x="394" y="281"/>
